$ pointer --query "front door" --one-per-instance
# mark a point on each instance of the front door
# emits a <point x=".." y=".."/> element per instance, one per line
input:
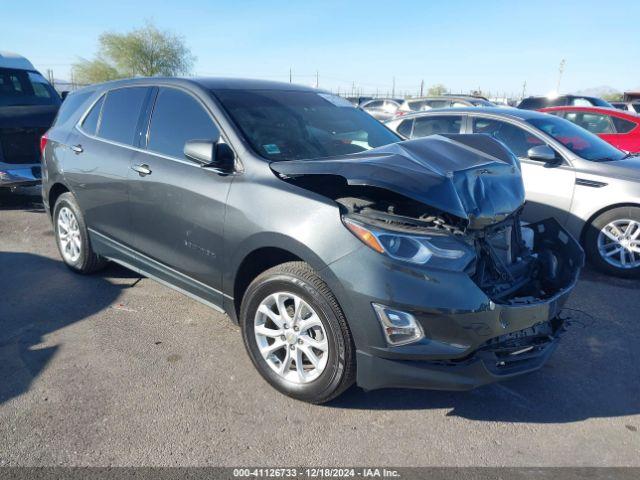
<point x="177" y="206"/>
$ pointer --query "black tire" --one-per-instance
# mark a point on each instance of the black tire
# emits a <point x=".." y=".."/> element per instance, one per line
<point x="300" y="279"/>
<point x="88" y="261"/>
<point x="591" y="241"/>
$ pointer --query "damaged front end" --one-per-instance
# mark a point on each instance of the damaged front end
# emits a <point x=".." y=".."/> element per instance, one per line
<point x="450" y="202"/>
<point x="467" y="293"/>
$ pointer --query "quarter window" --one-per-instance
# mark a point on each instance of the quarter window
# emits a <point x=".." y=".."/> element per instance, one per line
<point x="426" y="126"/>
<point x="622" y="126"/>
<point x="405" y="127"/>
<point x="121" y="114"/>
<point x="593" y="122"/>
<point x="90" y="123"/>
<point x="178" y="117"/>
<point x="519" y="141"/>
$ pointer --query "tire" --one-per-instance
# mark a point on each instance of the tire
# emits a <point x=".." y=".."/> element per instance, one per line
<point x="596" y="241"/>
<point x="67" y="212"/>
<point x="297" y="279"/>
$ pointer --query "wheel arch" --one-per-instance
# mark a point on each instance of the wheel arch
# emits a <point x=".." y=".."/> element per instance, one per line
<point x="262" y="253"/>
<point x="55" y="191"/>
<point x="595" y="215"/>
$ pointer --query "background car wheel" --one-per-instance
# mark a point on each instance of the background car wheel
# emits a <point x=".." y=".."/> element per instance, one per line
<point x="612" y="242"/>
<point x="72" y="236"/>
<point x="296" y="334"/>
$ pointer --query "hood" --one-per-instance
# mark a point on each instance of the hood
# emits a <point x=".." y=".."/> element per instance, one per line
<point x="626" y="169"/>
<point x="473" y="177"/>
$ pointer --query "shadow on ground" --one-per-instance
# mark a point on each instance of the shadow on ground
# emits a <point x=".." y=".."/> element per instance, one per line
<point x="595" y="371"/>
<point x="17" y="201"/>
<point x="41" y="296"/>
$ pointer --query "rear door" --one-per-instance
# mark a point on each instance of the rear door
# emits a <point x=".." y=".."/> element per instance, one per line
<point x="548" y="186"/>
<point x="178" y="207"/>
<point x="103" y="145"/>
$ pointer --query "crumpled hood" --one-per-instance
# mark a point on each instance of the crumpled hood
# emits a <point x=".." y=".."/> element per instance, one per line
<point x="473" y="177"/>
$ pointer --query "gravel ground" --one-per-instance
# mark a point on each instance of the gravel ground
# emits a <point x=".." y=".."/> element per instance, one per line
<point x="113" y="369"/>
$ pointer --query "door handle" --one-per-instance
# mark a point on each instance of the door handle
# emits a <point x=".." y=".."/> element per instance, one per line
<point x="143" y="169"/>
<point x="77" y="149"/>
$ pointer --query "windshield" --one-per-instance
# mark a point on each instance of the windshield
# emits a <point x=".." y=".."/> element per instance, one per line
<point x="290" y="125"/>
<point x="21" y="87"/>
<point x="577" y="139"/>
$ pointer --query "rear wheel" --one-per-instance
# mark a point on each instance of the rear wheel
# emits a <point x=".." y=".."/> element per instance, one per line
<point x="72" y="236"/>
<point x="612" y="242"/>
<point x="296" y="334"/>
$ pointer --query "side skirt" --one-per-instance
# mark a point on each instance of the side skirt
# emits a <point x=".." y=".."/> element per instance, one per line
<point x="148" y="267"/>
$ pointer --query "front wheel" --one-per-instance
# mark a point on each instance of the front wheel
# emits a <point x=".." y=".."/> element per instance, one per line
<point x="296" y="334"/>
<point x="612" y="242"/>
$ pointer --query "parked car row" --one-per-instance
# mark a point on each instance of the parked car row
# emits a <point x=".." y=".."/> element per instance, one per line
<point x="386" y="108"/>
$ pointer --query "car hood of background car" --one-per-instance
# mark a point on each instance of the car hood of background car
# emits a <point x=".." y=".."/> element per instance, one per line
<point x="473" y="177"/>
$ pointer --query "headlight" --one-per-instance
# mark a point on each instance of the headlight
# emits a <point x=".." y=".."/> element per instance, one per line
<point x="418" y="249"/>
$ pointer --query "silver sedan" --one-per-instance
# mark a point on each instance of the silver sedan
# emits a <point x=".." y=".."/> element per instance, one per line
<point x="591" y="187"/>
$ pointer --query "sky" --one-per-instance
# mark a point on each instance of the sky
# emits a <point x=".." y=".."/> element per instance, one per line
<point x="494" y="46"/>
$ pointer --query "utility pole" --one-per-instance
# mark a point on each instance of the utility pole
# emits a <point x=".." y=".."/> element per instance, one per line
<point x="560" y="72"/>
<point x="393" y="89"/>
<point x="317" y="79"/>
<point x="290" y="76"/>
<point x="524" y="88"/>
<point x="422" y="88"/>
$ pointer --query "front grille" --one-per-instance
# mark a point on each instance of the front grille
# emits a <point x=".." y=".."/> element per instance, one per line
<point x="21" y="146"/>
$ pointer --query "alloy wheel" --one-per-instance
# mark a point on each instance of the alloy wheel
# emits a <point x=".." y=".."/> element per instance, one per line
<point x="291" y="337"/>
<point x="619" y="243"/>
<point x="69" y="235"/>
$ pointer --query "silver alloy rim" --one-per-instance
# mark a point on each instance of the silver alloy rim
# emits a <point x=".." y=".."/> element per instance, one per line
<point x="619" y="243"/>
<point x="291" y="337"/>
<point x="69" y="235"/>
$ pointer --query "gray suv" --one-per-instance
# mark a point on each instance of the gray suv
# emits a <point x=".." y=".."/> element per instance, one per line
<point x="343" y="255"/>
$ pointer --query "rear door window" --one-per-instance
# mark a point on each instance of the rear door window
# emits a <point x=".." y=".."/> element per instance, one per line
<point x="426" y="126"/>
<point x="178" y="117"/>
<point x="594" y="122"/>
<point x="121" y="114"/>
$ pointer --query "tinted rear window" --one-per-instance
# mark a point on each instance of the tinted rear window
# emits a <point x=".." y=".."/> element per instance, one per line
<point x="121" y="113"/>
<point x="21" y="87"/>
<point x="70" y="106"/>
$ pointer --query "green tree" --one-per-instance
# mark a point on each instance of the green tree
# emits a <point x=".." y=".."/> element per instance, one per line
<point x="436" y="90"/>
<point x="145" y="52"/>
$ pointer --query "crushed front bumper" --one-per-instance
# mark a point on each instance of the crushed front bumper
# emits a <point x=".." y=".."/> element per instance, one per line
<point x="469" y="340"/>
<point x="22" y="176"/>
<point x="500" y="358"/>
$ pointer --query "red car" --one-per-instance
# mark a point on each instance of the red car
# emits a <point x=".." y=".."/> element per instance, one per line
<point x="616" y="127"/>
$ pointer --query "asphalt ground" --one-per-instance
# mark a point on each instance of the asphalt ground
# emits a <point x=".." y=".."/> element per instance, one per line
<point x="114" y="369"/>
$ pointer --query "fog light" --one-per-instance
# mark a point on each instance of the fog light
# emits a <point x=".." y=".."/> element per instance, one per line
<point x="399" y="327"/>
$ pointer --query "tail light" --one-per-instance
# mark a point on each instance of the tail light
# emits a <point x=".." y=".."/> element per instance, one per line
<point x="43" y="143"/>
<point x="400" y="113"/>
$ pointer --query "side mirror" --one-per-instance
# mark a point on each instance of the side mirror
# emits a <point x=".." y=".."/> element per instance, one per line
<point x="210" y="153"/>
<point x="64" y="94"/>
<point x="542" y="153"/>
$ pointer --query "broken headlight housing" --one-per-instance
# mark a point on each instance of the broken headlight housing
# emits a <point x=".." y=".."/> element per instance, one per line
<point x="437" y="249"/>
